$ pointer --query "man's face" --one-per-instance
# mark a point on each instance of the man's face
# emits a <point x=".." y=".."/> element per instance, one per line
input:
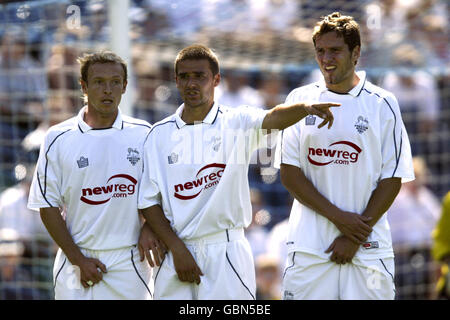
<point x="104" y="88"/>
<point x="196" y="82"/>
<point x="335" y="60"/>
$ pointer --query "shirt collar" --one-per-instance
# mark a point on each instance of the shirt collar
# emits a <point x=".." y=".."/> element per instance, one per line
<point x="209" y="119"/>
<point x="84" y="127"/>
<point x="355" y="91"/>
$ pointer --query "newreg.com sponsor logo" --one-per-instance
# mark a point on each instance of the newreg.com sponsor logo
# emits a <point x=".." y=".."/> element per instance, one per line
<point x="117" y="186"/>
<point x="341" y="152"/>
<point x="203" y="180"/>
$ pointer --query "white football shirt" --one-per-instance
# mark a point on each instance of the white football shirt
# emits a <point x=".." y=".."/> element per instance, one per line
<point x="198" y="173"/>
<point x="367" y="143"/>
<point x="93" y="174"/>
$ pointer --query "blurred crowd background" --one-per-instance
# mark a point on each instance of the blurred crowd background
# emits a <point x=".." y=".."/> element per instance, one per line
<point x="265" y="50"/>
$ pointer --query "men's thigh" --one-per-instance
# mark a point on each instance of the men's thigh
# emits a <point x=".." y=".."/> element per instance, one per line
<point x="310" y="277"/>
<point x="368" y="280"/>
<point x="167" y="284"/>
<point x="66" y="280"/>
<point x="127" y="278"/>
<point x="229" y="272"/>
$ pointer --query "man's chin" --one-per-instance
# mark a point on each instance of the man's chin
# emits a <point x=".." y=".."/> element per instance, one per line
<point x="107" y="110"/>
<point x="329" y="79"/>
<point x="194" y="103"/>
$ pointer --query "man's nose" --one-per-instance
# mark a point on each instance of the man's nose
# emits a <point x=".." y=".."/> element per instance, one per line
<point x="192" y="82"/>
<point x="107" y="88"/>
<point x="327" y="57"/>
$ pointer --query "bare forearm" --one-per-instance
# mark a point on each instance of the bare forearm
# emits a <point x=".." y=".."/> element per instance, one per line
<point x="299" y="186"/>
<point x="185" y="264"/>
<point x="351" y="224"/>
<point x="159" y="224"/>
<point x="283" y="116"/>
<point x="56" y="227"/>
<point x="381" y="199"/>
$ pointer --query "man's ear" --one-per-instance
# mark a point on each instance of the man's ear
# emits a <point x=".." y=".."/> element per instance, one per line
<point x="356" y="54"/>
<point x="217" y="79"/>
<point x="124" y="86"/>
<point x="83" y="86"/>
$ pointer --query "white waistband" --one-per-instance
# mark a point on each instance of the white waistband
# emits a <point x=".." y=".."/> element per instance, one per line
<point x="221" y="236"/>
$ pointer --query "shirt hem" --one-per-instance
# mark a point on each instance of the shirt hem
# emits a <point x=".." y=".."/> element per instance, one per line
<point x="147" y="205"/>
<point x="36" y="207"/>
<point x="359" y="255"/>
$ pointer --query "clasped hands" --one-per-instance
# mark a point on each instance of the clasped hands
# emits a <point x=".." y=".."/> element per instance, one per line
<point x="355" y="231"/>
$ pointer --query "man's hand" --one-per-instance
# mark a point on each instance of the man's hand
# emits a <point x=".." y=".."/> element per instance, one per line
<point x="185" y="265"/>
<point x="352" y="225"/>
<point x="147" y="242"/>
<point x="322" y="110"/>
<point x="343" y="250"/>
<point x="91" y="271"/>
<point x="356" y="227"/>
<point x="282" y="116"/>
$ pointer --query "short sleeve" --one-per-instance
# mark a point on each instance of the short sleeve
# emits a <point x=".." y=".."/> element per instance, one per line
<point x="246" y="123"/>
<point x="251" y="117"/>
<point x="45" y="190"/>
<point x="288" y="146"/>
<point x="149" y="193"/>
<point x="395" y="146"/>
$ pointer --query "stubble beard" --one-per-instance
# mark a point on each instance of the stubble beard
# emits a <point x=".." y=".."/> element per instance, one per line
<point x="198" y="103"/>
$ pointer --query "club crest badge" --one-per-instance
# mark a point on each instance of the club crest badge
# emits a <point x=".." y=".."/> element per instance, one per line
<point x="173" y="158"/>
<point x="83" y="162"/>
<point x="362" y="124"/>
<point x="216" y="143"/>
<point x="133" y="156"/>
<point x="310" y="120"/>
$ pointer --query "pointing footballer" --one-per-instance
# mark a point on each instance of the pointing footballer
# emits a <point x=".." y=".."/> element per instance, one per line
<point x="195" y="193"/>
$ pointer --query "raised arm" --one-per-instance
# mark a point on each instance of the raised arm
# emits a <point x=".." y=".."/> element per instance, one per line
<point x="283" y="116"/>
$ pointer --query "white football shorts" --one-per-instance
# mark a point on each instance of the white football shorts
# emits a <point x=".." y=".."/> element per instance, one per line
<point x="310" y="277"/>
<point x="226" y="261"/>
<point x="127" y="278"/>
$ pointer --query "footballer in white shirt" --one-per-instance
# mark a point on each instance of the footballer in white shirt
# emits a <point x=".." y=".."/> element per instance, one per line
<point x="194" y="191"/>
<point x="85" y="187"/>
<point x="343" y="179"/>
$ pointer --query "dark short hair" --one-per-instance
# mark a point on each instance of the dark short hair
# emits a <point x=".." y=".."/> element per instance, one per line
<point x="344" y="26"/>
<point x="198" y="52"/>
<point x="100" y="57"/>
